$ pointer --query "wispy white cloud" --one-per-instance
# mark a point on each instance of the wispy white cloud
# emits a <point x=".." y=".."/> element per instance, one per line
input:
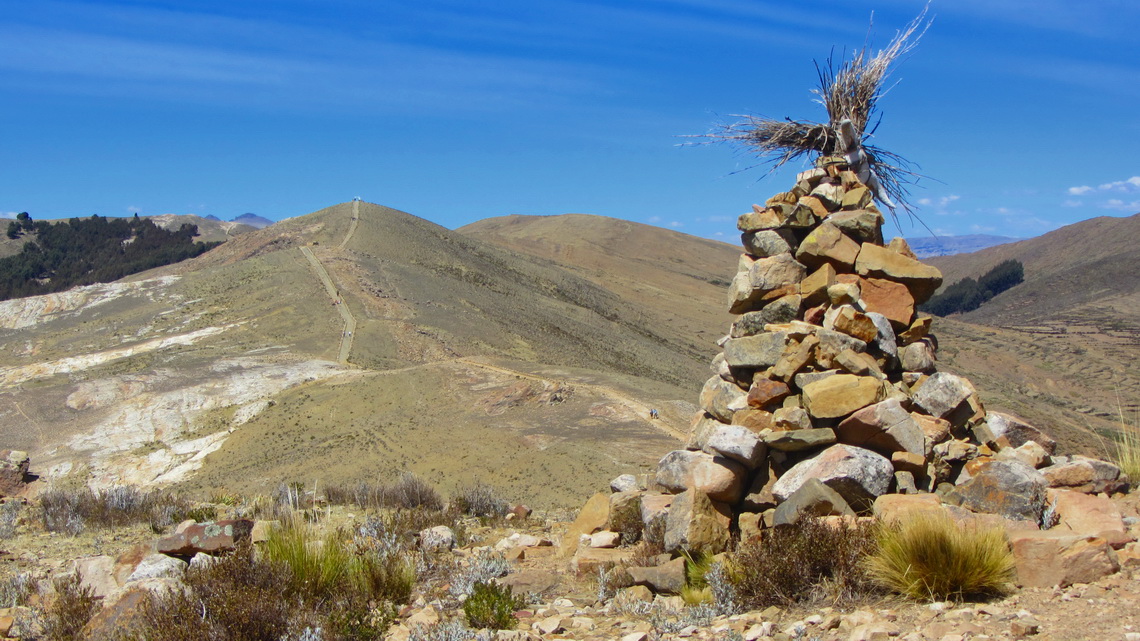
<point x="134" y="210"/>
<point x="1079" y="191"/>
<point x="1072" y="203"/>
<point x="653" y="219"/>
<point x="676" y="224"/>
<point x="8" y="214"/>
<point x="1122" y="205"/>
<point x="1129" y="185"/>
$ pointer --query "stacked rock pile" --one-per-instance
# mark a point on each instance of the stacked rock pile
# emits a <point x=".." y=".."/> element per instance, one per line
<point x="826" y="395"/>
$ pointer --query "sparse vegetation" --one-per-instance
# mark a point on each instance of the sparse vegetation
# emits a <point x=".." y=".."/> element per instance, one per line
<point x="934" y="558"/>
<point x="491" y="605"/>
<point x="67" y="611"/>
<point x="1126" y="448"/>
<point x="409" y="492"/>
<point x="811" y="561"/>
<point x="9" y="518"/>
<point x="480" y="500"/>
<point x="71" y="510"/>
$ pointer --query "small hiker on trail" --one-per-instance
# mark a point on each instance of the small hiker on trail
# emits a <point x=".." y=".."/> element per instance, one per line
<point x="653" y="414"/>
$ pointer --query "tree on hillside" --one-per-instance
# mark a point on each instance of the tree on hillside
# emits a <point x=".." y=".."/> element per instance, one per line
<point x="90" y="250"/>
<point x="968" y="294"/>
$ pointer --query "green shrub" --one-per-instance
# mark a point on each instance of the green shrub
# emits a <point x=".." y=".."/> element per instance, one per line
<point x="318" y="565"/>
<point x="934" y="558"/>
<point x="968" y="294"/>
<point x="805" y="562"/>
<point x="492" y="606"/>
<point x="65" y="613"/>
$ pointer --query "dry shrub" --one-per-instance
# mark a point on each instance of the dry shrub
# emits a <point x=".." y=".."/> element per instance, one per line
<point x="71" y="510"/>
<point x="409" y="492"/>
<point x="931" y="557"/>
<point x="806" y="562"/>
<point x="480" y="500"/>
<point x="237" y="597"/>
<point x="247" y="597"/>
<point x="1126" y="448"/>
<point x="66" y="611"/>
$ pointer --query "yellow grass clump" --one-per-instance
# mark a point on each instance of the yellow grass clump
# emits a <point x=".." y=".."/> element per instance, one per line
<point x="932" y="557"/>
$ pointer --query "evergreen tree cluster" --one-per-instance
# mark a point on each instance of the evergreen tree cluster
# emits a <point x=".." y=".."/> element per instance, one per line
<point x="83" y="251"/>
<point x="968" y="294"/>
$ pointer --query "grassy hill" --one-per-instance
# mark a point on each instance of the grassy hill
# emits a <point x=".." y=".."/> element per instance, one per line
<point x="522" y="351"/>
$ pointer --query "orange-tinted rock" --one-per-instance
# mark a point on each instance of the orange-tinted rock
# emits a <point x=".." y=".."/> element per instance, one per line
<point x="1050" y="559"/>
<point x="765" y="392"/>
<point x="875" y="261"/>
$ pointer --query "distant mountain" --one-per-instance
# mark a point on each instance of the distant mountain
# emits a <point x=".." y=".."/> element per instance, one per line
<point x="212" y="217"/>
<point x="253" y="220"/>
<point x="930" y="246"/>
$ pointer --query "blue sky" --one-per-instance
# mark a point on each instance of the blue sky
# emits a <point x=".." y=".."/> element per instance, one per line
<point x="1023" y="113"/>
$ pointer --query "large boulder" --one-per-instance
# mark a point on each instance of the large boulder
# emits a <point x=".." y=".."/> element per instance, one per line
<point x="719" y="477"/>
<point x="841" y="394"/>
<point x="755" y="352"/>
<point x="1014" y="430"/>
<point x="875" y="261"/>
<point x="827" y="244"/>
<point x="1086" y="475"/>
<point x="765" y="279"/>
<point x="942" y="393"/>
<point x="1052" y="559"/>
<point x="721" y="398"/>
<point x="696" y="525"/>
<point x="1088" y="514"/>
<point x="813" y="498"/>
<point x="884" y="427"/>
<point x="210" y="538"/>
<point x="858" y="475"/>
<point x="1009" y="488"/>
<point x="781" y="310"/>
<point x="737" y="443"/>
<point x="668" y="578"/>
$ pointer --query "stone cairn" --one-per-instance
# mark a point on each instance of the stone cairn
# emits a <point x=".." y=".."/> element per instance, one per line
<point x="826" y="399"/>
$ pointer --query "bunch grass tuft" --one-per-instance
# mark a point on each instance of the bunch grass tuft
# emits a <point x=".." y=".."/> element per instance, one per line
<point x="932" y="557"/>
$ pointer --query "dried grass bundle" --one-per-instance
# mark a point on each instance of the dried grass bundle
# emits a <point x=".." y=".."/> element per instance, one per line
<point x="849" y="91"/>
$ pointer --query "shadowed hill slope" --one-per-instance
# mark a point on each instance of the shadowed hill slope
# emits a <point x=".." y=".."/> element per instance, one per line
<point x="678" y="280"/>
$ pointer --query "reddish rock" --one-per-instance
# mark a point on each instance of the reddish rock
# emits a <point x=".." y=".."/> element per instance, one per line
<point x="1090" y="515"/>
<point x="888" y="298"/>
<point x="13" y="471"/>
<point x="765" y="392"/>
<point x="206" y="538"/>
<point x="883" y="427"/>
<point x="1086" y="475"/>
<point x="1049" y="559"/>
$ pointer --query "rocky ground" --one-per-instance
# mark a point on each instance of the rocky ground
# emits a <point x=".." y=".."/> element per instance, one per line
<point x="567" y="602"/>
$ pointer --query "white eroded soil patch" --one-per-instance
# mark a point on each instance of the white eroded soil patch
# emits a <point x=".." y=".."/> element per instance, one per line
<point x="154" y="435"/>
<point x="15" y="375"/>
<point x="25" y="312"/>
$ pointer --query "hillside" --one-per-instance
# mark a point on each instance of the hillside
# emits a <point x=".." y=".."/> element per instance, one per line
<point x="677" y="279"/>
<point x="467" y="361"/>
<point x="509" y="351"/>
<point x="1065" y="344"/>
